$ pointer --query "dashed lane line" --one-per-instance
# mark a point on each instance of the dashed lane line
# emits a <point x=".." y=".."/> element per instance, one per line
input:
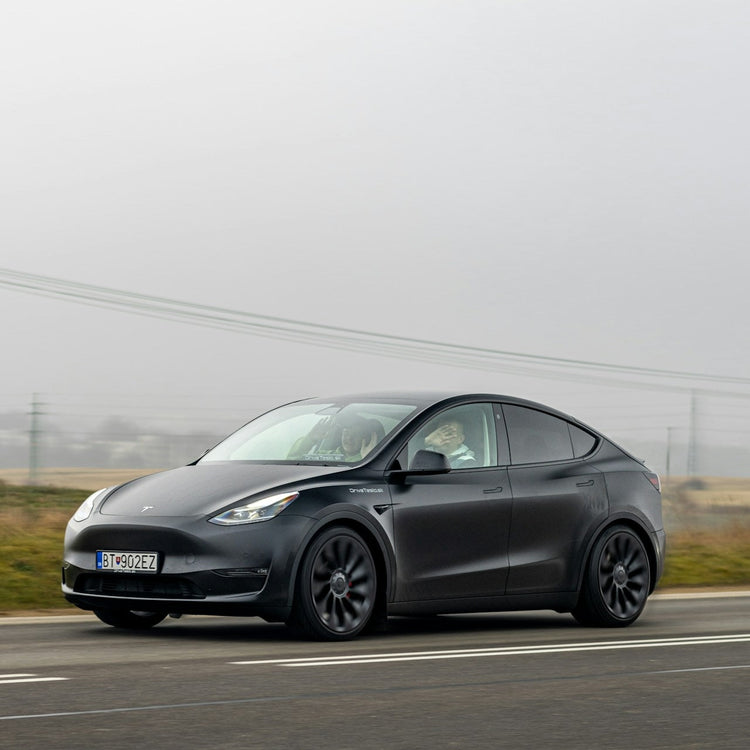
<point x="11" y="679"/>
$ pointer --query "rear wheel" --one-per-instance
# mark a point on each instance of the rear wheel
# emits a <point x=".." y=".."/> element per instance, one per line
<point x="131" y="619"/>
<point x="336" y="587"/>
<point x="616" y="580"/>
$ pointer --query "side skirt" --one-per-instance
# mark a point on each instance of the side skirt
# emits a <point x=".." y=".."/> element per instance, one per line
<point x="563" y="602"/>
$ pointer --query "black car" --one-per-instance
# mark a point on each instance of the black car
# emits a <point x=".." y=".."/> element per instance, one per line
<point x="331" y="514"/>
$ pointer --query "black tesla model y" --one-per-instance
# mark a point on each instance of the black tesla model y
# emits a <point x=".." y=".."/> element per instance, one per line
<point x="330" y="514"/>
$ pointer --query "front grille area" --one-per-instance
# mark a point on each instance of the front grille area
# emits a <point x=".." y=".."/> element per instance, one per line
<point x="141" y="587"/>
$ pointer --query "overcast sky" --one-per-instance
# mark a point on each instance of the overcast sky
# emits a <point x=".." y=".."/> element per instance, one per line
<point x="566" y="179"/>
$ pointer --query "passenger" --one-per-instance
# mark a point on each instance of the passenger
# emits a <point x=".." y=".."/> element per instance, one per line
<point x="448" y="438"/>
<point x="356" y="438"/>
<point x="373" y="435"/>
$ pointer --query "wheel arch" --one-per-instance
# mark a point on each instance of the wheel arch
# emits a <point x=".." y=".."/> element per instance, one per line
<point x="380" y="550"/>
<point x="636" y="526"/>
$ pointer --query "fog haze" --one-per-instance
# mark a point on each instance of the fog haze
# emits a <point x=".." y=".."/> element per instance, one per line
<point x="559" y="179"/>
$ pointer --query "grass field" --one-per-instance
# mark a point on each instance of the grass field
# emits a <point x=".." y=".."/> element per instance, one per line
<point x="32" y="524"/>
<point x="707" y="522"/>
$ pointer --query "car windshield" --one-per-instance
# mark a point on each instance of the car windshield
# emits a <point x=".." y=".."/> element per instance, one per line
<point x="313" y="433"/>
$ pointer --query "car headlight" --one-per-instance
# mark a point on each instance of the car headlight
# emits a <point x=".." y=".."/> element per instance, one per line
<point x="87" y="506"/>
<point x="258" y="510"/>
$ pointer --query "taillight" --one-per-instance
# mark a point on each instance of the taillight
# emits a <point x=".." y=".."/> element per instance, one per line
<point x="654" y="479"/>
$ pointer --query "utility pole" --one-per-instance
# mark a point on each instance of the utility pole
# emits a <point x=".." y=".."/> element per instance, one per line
<point x="691" y="437"/>
<point x="35" y="433"/>
<point x="669" y="452"/>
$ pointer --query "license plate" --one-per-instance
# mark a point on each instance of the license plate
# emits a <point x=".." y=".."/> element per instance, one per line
<point x="127" y="562"/>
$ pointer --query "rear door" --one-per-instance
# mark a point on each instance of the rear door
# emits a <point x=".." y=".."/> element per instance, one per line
<point x="558" y="498"/>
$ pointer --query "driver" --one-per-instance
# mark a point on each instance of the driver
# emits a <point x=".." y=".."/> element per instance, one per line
<point x="448" y="438"/>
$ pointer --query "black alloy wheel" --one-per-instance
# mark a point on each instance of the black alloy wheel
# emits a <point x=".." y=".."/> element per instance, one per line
<point x="337" y="586"/>
<point x="129" y="619"/>
<point x="616" y="581"/>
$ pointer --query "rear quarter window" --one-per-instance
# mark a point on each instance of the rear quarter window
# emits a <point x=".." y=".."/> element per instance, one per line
<point x="583" y="442"/>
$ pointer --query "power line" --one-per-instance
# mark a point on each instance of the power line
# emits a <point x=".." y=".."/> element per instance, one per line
<point x="349" y="339"/>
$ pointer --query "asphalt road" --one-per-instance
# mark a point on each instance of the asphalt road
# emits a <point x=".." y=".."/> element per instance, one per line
<point x="678" y="678"/>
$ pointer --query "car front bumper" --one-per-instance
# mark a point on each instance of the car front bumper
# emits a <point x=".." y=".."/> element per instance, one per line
<point x="203" y="568"/>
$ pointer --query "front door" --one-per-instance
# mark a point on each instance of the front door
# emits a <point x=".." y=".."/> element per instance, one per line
<point x="451" y="534"/>
<point x="451" y="530"/>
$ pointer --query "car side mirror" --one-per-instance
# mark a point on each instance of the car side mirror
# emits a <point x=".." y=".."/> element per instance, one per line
<point x="429" y="462"/>
<point x="423" y="463"/>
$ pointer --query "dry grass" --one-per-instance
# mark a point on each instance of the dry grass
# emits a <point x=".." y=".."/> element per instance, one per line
<point x="709" y="492"/>
<point x="701" y="504"/>
<point x="32" y="526"/>
<point x="80" y="478"/>
<point x="715" y="557"/>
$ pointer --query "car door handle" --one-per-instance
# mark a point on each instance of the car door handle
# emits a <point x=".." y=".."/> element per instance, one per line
<point x="494" y="489"/>
<point x="585" y="484"/>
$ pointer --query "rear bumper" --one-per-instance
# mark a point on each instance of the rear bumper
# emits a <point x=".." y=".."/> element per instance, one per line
<point x="659" y="541"/>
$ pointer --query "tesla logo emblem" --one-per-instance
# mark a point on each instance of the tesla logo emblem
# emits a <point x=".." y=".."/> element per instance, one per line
<point x="147" y="507"/>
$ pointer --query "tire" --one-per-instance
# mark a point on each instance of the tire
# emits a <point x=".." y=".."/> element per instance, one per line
<point x="129" y="619"/>
<point x="336" y="587"/>
<point x="616" y="580"/>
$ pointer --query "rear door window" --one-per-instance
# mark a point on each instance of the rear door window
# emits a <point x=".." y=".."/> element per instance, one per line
<point x="536" y="436"/>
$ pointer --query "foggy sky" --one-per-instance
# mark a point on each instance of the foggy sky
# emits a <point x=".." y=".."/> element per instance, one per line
<point x="559" y="178"/>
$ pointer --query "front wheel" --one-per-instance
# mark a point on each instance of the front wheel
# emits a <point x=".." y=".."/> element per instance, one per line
<point x="616" y="580"/>
<point x="130" y="619"/>
<point x="336" y="587"/>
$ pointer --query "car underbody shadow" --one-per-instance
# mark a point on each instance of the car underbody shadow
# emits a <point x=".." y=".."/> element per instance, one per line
<point x="246" y="629"/>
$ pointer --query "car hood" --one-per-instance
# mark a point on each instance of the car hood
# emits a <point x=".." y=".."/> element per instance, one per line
<point x="204" y="488"/>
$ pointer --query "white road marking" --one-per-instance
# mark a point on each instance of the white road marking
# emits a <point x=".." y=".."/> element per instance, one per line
<point x="157" y="707"/>
<point x="11" y="679"/>
<point x="559" y="648"/>
<point x="702" y="669"/>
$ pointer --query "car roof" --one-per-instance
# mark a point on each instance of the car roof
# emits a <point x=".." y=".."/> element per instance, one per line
<point x="424" y="399"/>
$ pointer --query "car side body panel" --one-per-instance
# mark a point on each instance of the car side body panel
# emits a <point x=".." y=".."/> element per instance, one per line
<point x="556" y="506"/>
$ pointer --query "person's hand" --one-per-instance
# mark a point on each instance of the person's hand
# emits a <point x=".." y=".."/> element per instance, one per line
<point x="442" y="437"/>
<point x="320" y="429"/>
<point x="368" y="445"/>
